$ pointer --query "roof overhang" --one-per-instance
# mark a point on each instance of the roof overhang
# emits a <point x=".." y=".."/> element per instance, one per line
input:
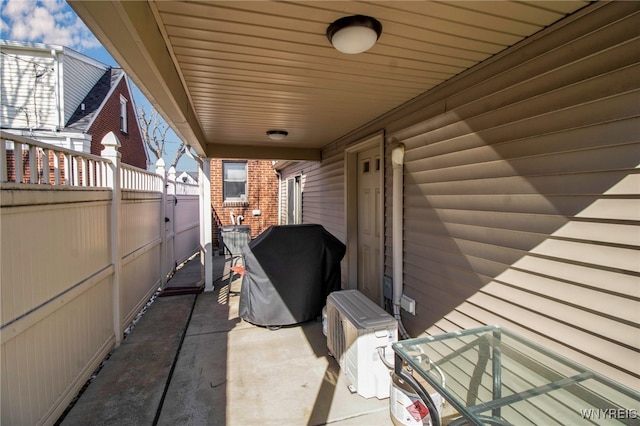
<point x="223" y="73"/>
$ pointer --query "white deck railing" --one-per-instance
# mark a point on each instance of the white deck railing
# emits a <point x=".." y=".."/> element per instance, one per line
<point x="26" y="161"/>
<point x="135" y="179"/>
<point x="182" y="188"/>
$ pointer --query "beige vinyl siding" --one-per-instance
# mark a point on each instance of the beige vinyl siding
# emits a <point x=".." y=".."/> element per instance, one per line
<point x="322" y="195"/>
<point x="521" y="193"/>
<point x="282" y="201"/>
<point x="322" y="192"/>
<point x="522" y="196"/>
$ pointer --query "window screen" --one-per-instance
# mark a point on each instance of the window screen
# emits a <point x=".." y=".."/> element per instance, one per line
<point x="123" y="114"/>
<point x="235" y="181"/>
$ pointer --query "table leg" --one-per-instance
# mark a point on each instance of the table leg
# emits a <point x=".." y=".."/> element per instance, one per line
<point x="497" y="372"/>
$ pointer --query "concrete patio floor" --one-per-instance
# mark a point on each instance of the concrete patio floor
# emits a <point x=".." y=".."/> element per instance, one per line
<point x="191" y="360"/>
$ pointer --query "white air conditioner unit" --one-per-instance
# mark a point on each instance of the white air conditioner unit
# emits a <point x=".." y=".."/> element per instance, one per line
<point x="356" y="328"/>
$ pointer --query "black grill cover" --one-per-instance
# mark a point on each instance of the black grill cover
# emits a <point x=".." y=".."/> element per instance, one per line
<point x="289" y="272"/>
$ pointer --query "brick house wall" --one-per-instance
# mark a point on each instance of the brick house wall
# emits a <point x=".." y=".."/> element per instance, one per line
<point x="132" y="150"/>
<point x="42" y="159"/>
<point x="262" y="194"/>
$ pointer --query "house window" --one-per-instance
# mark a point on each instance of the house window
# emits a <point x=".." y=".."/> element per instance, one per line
<point x="123" y="114"/>
<point x="294" y="200"/>
<point x="234" y="175"/>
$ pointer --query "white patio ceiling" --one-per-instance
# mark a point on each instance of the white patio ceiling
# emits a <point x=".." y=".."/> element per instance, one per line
<point x="223" y="73"/>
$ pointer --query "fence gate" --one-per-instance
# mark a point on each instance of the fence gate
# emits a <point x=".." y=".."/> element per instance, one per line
<point x="170" y="229"/>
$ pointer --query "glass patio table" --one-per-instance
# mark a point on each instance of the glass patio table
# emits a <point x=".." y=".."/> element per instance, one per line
<point x="492" y="376"/>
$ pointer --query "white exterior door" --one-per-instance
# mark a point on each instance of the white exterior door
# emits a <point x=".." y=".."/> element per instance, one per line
<point x="369" y="224"/>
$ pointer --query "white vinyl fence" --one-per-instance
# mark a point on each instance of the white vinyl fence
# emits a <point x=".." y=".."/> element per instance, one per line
<point x="85" y="242"/>
<point x="182" y="223"/>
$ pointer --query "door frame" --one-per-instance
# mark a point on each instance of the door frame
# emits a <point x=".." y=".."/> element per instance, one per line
<point x="296" y="181"/>
<point x="351" y="206"/>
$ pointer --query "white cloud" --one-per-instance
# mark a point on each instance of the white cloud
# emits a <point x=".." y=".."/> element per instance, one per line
<point x="45" y="21"/>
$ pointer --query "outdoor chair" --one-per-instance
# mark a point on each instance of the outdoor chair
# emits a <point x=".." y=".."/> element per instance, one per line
<point x="236" y="268"/>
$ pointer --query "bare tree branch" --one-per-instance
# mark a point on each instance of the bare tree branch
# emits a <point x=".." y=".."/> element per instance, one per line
<point x="154" y="131"/>
<point x="179" y="154"/>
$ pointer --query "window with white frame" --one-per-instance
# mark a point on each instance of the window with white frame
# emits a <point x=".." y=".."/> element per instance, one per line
<point x="123" y="114"/>
<point x="234" y="176"/>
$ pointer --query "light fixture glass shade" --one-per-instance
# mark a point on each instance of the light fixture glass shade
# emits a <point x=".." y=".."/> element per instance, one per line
<point x="277" y="135"/>
<point x="352" y="40"/>
<point x="354" y="34"/>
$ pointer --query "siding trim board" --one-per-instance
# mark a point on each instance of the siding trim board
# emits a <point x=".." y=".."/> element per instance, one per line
<point x="521" y="195"/>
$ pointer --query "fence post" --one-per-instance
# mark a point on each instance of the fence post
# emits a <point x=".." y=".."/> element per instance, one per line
<point x="206" y="247"/>
<point x="111" y="152"/>
<point x="160" y="170"/>
<point x="171" y="183"/>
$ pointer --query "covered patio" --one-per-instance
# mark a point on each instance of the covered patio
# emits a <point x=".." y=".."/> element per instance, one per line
<point x="225" y="75"/>
<point x="480" y="162"/>
<point x="191" y="360"/>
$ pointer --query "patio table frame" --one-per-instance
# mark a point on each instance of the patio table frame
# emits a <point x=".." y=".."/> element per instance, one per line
<point x="410" y="355"/>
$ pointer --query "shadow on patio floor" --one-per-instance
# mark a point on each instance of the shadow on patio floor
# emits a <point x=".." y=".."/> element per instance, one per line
<point x="192" y="361"/>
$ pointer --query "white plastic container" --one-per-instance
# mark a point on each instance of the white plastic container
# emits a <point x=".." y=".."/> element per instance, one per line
<point x="405" y="406"/>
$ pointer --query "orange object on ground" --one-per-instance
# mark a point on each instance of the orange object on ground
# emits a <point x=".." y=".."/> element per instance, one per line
<point x="238" y="270"/>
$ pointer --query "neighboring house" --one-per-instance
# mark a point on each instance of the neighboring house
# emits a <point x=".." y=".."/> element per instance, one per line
<point x="244" y="192"/>
<point x="56" y="95"/>
<point x="187" y="177"/>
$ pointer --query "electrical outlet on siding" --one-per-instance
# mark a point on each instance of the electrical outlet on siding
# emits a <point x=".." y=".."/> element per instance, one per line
<point x="408" y="304"/>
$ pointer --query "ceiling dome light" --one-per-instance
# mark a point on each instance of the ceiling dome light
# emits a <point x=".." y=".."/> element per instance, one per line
<point x="354" y="34"/>
<point x="277" y="135"/>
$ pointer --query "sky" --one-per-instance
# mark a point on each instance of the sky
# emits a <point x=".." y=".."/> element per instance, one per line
<point x="54" y="22"/>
